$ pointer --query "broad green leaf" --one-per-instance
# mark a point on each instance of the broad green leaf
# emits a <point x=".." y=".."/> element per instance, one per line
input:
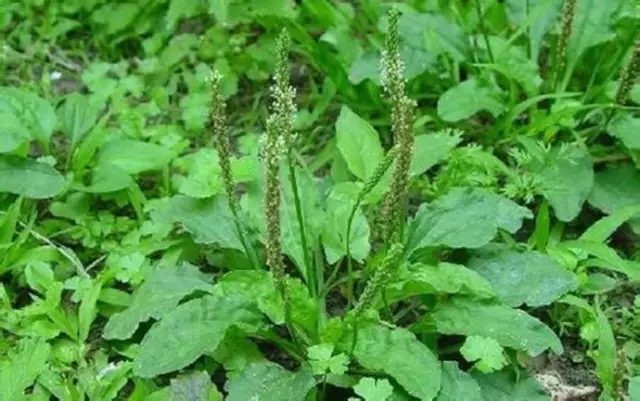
<point x="445" y="278"/>
<point x="435" y="34"/>
<point x="510" y="327"/>
<point x="159" y="294"/>
<point x="593" y="24"/>
<point x="616" y="187"/>
<point x="209" y="220"/>
<point x="191" y="330"/>
<point x="486" y="352"/>
<point x="518" y="278"/>
<point x="505" y="386"/>
<point x="567" y="178"/>
<point x="538" y="14"/>
<point x="204" y="178"/>
<point x="338" y="210"/>
<point x="20" y="369"/>
<point x="29" y="178"/>
<point x="257" y="285"/>
<point x="106" y="179"/>
<point x="467" y="99"/>
<point x="195" y="386"/>
<point x="196" y="107"/>
<point x="266" y="381"/>
<point x="77" y="116"/>
<point x="236" y="352"/>
<point x="12" y="133"/>
<point x="134" y="156"/>
<point x="373" y="390"/>
<point x="358" y="143"/>
<point x="36" y="114"/>
<point x="626" y="127"/>
<point x="458" y="385"/>
<point x="399" y="354"/>
<point x="429" y="149"/>
<point x="634" y="388"/>
<point x="179" y="9"/>
<point x="464" y="218"/>
<point x="367" y="66"/>
<point x="512" y="61"/>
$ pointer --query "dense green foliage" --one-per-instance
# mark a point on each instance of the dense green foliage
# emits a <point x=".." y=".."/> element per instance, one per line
<point x="246" y="200"/>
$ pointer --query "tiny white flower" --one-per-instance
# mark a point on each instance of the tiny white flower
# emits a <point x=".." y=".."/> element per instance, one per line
<point x="56" y="75"/>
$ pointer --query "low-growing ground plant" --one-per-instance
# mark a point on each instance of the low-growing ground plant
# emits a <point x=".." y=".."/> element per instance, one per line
<point x="281" y="201"/>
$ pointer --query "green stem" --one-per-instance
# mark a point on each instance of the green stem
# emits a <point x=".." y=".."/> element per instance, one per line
<point x="483" y="29"/>
<point x="311" y="280"/>
<point x="350" y="280"/>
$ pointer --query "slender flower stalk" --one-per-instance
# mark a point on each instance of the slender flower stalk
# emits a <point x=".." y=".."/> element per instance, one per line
<point x="393" y="83"/>
<point x="221" y="140"/>
<point x="272" y="153"/>
<point x="284" y="109"/>
<point x="568" y="16"/>
<point x="380" y="279"/>
<point x="628" y="75"/>
<point x="221" y="136"/>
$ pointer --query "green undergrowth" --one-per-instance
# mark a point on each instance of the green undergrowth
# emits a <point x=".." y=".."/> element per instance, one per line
<point x="304" y="201"/>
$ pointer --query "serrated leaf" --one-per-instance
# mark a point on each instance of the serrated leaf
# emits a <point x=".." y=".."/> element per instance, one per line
<point x="567" y="178"/>
<point x="458" y="385"/>
<point x="338" y="210"/>
<point x="29" y="178"/>
<point x="322" y="360"/>
<point x="399" y="354"/>
<point x="20" y="370"/>
<point x="358" y="143"/>
<point x="505" y="386"/>
<point x="159" y="294"/>
<point x="266" y="381"/>
<point x="468" y="98"/>
<point x="190" y="330"/>
<point x="204" y="178"/>
<point x="486" y="352"/>
<point x="36" y="114"/>
<point x="519" y="278"/>
<point x="373" y="390"/>
<point x="236" y="352"/>
<point x="625" y="127"/>
<point x="445" y="278"/>
<point x="258" y="285"/>
<point x="195" y="386"/>
<point x="616" y="187"/>
<point x="510" y="327"/>
<point x="209" y="220"/>
<point x="134" y="156"/>
<point x="464" y="218"/>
